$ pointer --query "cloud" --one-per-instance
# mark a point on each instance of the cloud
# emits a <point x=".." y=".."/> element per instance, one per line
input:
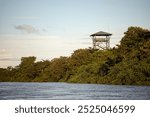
<point x="27" y="28"/>
<point x="2" y="51"/>
<point x="9" y="59"/>
<point x="26" y="17"/>
<point x="6" y="56"/>
<point x="44" y="30"/>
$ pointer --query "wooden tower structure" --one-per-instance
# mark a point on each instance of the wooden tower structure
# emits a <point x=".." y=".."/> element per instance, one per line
<point x="101" y="40"/>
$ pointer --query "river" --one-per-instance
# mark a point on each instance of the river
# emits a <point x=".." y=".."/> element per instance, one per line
<point x="69" y="91"/>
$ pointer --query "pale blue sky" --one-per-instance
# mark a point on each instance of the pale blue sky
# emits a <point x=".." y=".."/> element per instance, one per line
<point x="53" y="28"/>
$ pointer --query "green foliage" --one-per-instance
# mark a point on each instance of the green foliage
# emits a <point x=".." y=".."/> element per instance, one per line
<point x="128" y="64"/>
<point x="4" y="75"/>
<point x="85" y="74"/>
<point x="133" y="40"/>
<point x="135" y="52"/>
<point x="55" y="71"/>
<point x="25" y="71"/>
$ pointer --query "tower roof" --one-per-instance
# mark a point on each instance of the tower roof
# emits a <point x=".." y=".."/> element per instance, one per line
<point x="101" y="33"/>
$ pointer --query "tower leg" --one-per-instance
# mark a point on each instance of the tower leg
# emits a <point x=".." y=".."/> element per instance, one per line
<point x="94" y="43"/>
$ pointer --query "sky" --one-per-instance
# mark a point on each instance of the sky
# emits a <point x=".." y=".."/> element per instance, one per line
<point x="49" y="29"/>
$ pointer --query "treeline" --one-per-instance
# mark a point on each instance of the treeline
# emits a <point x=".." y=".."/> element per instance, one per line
<point x="127" y="64"/>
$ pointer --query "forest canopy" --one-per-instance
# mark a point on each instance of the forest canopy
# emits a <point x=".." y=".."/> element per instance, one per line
<point x="126" y="64"/>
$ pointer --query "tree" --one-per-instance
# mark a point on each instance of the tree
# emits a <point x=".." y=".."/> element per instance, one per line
<point x="25" y="71"/>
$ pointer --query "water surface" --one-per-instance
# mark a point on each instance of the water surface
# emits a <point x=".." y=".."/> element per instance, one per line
<point x="47" y="91"/>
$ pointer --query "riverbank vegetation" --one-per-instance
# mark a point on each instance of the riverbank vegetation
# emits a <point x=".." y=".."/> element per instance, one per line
<point x="126" y="64"/>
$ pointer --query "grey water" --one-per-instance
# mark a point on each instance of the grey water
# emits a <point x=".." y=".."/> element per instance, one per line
<point x="69" y="91"/>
